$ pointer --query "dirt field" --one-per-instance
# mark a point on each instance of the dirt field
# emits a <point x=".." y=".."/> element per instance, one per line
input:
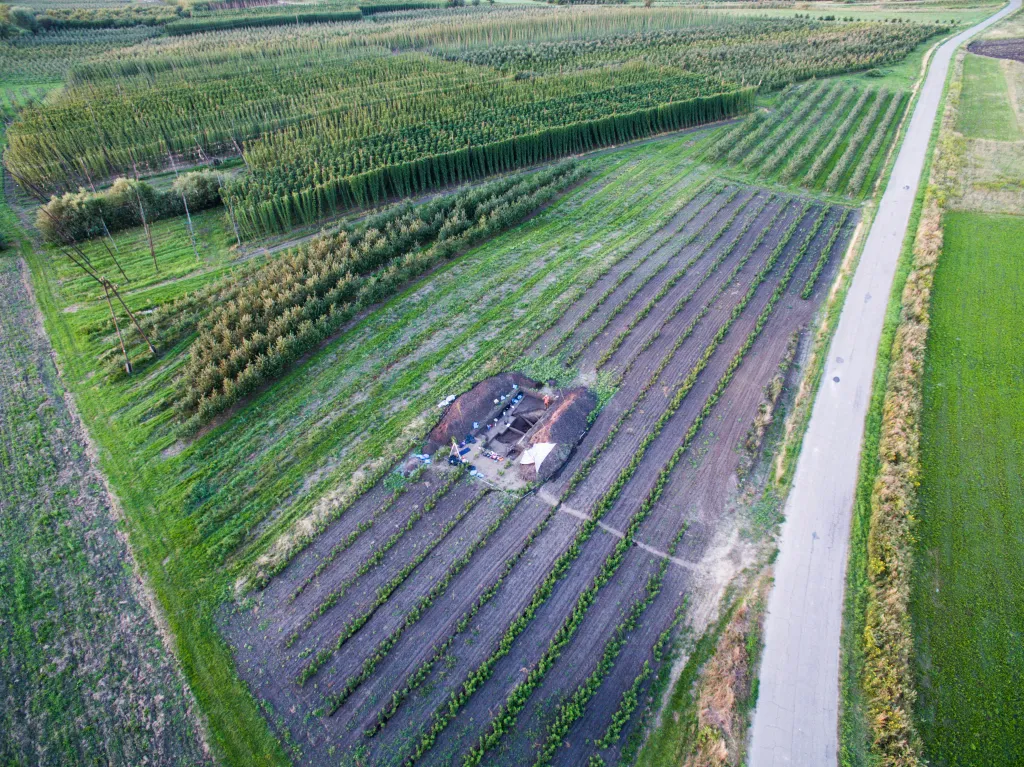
<point x="440" y="622"/>
<point x="999" y="49"/>
<point x="84" y="677"/>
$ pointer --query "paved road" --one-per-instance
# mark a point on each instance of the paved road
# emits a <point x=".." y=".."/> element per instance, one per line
<point x="796" y="719"/>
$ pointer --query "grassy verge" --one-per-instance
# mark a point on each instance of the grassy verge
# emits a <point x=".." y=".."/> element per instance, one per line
<point x="855" y="734"/>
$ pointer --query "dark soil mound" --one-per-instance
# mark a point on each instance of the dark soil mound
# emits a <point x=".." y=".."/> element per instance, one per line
<point x="999" y="49"/>
<point x="475" y="405"/>
<point x="564" y="426"/>
<point x="568" y="420"/>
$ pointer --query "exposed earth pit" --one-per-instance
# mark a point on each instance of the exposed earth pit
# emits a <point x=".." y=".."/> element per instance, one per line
<point x="511" y="430"/>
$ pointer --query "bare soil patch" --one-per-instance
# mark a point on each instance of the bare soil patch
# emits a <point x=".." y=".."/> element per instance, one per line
<point x="999" y="49"/>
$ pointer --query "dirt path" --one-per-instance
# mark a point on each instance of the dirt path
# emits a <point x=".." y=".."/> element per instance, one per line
<point x="795" y="722"/>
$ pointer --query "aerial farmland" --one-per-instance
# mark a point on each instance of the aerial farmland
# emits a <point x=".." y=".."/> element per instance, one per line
<point x="430" y="384"/>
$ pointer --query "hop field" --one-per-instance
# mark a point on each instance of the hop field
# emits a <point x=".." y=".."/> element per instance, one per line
<point x="413" y="103"/>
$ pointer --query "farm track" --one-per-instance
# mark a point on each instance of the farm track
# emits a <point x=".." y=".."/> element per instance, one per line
<point x="669" y="319"/>
<point x="796" y="718"/>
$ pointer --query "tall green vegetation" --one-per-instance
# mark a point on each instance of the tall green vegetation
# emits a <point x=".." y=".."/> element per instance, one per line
<point x="127" y="203"/>
<point x="418" y="102"/>
<point x="823" y="136"/>
<point x="293" y="303"/>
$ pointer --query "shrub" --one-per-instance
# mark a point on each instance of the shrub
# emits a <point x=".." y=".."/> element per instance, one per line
<point x="84" y="214"/>
<point x="24" y="18"/>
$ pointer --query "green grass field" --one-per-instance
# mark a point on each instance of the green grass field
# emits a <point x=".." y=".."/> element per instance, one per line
<point x="193" y="511"/>
<point x="968" y="598"/>
<point x="986" y="111"/>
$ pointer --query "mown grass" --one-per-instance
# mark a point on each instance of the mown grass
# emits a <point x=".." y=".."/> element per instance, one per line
<point x="967" y="603"/>
<point x="189" y="506"/>
<point x="986" y="111"/>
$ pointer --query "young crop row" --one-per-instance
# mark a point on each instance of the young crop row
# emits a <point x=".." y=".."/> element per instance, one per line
<point x="296" y="301"/>
<point x="844" y="163"/>
<point x="755" y="130"/>
<point x="685" y="300"/>
<point x="506" y="718"/>
<point x="337" y="700"/>
<point x="780" y="142"/>
<point x="860" y="176"/>
<point x="641" y="284"/>
<point x="812" y="278"/>
<point x="665" y="649"/>
<point x="647" y="308"/>
<point x="816" y="132"/>
<point x="816" y="121"/>
<point x="573" y="708"/>
<point x="383" y="593"/>
<point x="350" y="539"/>
<point x="712" y="185"/>
<point x="421" y="674"/>
<point x="824" y="156"/>
<point x="811" y="115"/>
<point x="376" y="556"/>
<point x="595" y="454"/>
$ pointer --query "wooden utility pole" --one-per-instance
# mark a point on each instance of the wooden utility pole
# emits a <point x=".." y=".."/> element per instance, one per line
<point x="113" y="315"/>
<point x="80" y="260"/>
<point x="188" y="216"/>
<point x="142" y="215"/>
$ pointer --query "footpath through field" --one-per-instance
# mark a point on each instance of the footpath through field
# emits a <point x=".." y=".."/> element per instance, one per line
<point x="795" y="722"/>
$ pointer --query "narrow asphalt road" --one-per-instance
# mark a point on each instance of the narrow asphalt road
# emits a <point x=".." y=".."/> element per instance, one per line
<point x="796" y="719"/>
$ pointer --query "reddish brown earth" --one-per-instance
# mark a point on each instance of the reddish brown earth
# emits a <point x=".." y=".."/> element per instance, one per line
<point x="480" y="555"/>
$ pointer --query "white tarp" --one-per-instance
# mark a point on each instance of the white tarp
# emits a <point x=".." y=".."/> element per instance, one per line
<point x="537" y="453"/>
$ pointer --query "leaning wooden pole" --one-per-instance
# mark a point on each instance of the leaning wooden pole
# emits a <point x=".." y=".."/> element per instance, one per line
<point x="135" y="322"/>
<point x="117" y="327"/>
<point x="188" y="216"/>
<point x="142" y="215"/>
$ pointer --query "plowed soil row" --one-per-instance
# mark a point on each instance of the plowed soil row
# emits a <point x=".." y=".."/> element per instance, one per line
<point x="666" y="322"/>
